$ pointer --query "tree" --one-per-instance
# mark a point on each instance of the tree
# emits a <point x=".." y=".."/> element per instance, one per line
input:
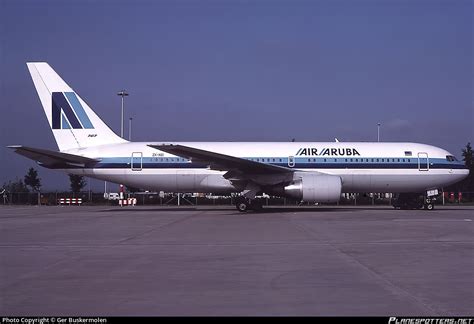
<point x="16" y="186"/>
<point x="468" y="158"/>
<point x="77" y="182"/>
<point x="32" y="180"/>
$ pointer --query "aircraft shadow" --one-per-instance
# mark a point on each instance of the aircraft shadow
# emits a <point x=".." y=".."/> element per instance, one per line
<point x="265" y="210"/>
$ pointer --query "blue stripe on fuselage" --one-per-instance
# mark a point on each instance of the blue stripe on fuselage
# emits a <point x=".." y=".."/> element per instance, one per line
<point x="301" y="163"/>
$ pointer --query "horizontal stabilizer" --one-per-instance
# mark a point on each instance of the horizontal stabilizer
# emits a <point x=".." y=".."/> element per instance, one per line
<point x="52" y="158"/>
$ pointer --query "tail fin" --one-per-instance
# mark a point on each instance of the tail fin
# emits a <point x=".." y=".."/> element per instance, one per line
<point x="73" y="122"/>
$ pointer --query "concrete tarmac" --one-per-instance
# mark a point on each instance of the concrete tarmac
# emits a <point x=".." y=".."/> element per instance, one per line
<point x="216" y="261"/>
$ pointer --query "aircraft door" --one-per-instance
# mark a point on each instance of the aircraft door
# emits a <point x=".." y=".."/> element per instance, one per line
<point x="291" y="161"/>
<point x="137" y="161"/>
<point x="423" y="161"/>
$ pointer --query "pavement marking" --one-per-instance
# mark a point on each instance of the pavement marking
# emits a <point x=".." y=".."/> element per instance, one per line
<point x="385" y="282"/>
<point x="154" y="228"/>
<point x="230" y="244"/>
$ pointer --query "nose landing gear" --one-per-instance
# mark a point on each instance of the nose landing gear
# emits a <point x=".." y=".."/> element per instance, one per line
<point x="429" y="203"/>
<point x="414" y="201"/>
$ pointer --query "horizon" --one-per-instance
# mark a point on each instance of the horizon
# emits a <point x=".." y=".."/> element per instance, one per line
<point x="234" y="71"/>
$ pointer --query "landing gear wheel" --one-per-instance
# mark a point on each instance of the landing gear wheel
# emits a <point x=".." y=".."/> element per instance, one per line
<point x="429" y="206"/>
<point x="242" y="206"/>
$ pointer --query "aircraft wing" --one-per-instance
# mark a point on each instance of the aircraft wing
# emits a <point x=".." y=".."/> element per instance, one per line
<point x="222" y="162"/>
<point x="52" y="158"/>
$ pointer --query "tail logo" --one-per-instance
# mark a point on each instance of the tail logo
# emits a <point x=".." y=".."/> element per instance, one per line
<point x="67" y="112"/>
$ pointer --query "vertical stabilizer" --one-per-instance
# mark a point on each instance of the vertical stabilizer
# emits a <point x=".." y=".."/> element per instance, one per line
<point x="73" y="123"/>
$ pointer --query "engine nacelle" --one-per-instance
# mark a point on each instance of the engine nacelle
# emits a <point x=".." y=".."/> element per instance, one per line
<point x="312" y="187"/>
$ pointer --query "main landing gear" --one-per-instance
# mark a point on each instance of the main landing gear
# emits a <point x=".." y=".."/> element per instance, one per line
<point x="243" y="204"/>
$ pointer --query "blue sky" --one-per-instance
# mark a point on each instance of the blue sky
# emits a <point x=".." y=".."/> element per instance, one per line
<point x="243" y="70"/>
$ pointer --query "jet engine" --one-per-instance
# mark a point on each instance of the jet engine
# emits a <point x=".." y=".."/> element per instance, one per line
<point x="313" y="187"/>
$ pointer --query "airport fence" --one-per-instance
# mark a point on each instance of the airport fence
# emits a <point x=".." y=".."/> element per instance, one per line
<point x="170" y="199"/>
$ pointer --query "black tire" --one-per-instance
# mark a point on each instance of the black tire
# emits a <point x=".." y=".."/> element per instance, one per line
<point x="242" y="206"/>
<point x="429" y="206"/>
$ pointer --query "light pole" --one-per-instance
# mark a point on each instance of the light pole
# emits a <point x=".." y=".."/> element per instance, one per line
<point x="122" y="94"/>
<point x="130" y="128"/>
<point x="378" y="132"/>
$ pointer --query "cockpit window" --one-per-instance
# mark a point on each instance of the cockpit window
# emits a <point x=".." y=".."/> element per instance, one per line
<point x="451" y="158"/>
<point x="408" y="153"/>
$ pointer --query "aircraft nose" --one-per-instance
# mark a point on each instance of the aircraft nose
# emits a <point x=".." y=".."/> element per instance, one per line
<point x="461" y="174"/>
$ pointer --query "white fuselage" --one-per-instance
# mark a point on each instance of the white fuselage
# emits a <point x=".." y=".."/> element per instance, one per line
<point x="363" y="167"/>
<point x="347" y="167"/>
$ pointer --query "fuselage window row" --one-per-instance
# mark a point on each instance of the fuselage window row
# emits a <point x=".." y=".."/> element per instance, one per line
<point x="309" y="160"/>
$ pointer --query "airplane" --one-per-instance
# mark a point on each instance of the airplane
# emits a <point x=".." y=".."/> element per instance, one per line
<point x="315" y="172"/>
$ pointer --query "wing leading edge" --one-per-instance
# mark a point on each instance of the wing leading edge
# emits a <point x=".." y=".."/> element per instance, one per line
<point x="222" y="162"/>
